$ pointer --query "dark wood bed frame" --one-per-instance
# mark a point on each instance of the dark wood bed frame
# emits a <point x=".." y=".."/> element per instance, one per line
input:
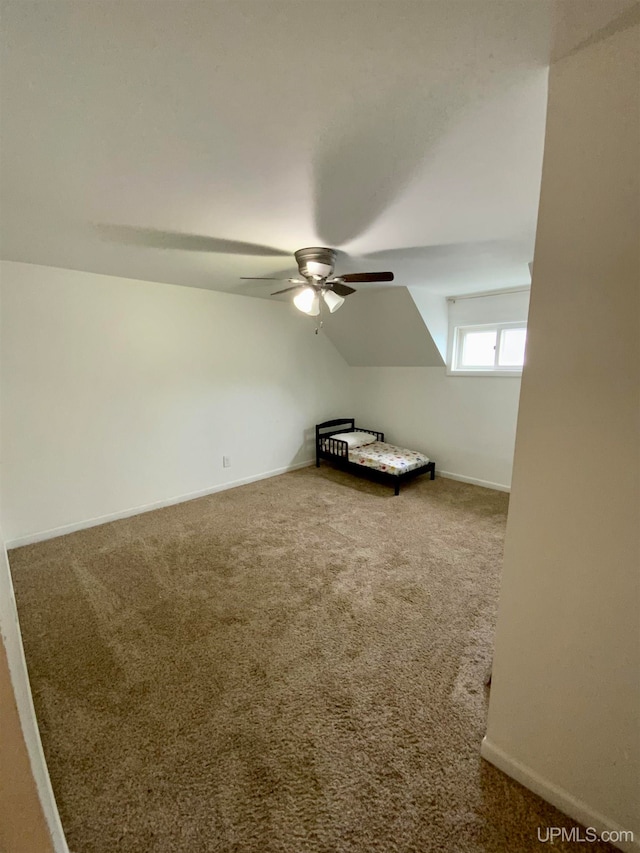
<point x="336" y="451"/>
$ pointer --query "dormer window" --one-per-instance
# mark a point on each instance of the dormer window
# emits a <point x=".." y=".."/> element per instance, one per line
<point x="497" y="348"/>
<point x="488" y="333"/>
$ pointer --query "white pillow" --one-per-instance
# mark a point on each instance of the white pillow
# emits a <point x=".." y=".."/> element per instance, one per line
<point x="355" y="439"/>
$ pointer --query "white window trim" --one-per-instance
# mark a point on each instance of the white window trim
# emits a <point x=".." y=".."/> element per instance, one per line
<point x="456" y="346"/>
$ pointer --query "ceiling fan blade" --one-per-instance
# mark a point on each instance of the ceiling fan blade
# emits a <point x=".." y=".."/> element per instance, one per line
<point x="269" y="278"/>
<point x="367" y="276"/>
<point x="132" y="235"/>
<point x="287" y="289"/>
<point x="363" y="164"/>
<point x="342" y="289"/>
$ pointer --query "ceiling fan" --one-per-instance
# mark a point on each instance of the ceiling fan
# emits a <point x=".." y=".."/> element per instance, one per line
<point x="316" y="265"/>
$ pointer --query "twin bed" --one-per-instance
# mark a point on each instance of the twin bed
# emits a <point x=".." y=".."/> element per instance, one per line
<point x="365" y="452"/>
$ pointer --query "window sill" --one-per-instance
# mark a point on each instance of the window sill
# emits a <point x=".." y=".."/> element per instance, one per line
<point x="512" y="374"/>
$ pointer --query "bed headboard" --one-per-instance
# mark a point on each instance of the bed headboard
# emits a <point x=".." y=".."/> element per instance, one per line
<point x="337" y="425"/>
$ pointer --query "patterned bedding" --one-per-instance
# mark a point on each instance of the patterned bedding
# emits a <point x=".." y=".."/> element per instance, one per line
<point x="387" y="457"/>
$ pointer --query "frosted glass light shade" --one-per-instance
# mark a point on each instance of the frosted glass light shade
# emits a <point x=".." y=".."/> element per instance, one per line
<point x="332" y="300"/>
<point x="315" y="268"/>
<point x="307" y="301"/>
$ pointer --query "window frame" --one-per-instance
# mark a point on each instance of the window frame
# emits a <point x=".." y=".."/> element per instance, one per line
<point x="459" y="332"/>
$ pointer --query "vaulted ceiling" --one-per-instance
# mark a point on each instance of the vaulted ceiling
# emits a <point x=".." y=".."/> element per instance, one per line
<point x="196" y="142"/>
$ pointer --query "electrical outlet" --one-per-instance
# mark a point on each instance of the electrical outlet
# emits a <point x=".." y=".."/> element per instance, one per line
<point x="226" y="462"/>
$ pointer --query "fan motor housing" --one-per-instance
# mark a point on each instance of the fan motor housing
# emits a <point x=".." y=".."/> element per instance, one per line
<point x="316" y="263"/>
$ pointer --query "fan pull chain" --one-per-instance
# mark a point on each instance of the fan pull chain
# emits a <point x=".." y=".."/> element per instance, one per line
<point x="321" y="323"/>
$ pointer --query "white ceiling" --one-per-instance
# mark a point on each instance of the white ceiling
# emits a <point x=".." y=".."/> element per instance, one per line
<point x="408" y="135"/>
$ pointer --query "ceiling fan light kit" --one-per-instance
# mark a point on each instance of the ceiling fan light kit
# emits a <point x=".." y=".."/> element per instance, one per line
<point x="332" y="300"/>
<point x="307" y="301"/>
<point x="316" y="265"/>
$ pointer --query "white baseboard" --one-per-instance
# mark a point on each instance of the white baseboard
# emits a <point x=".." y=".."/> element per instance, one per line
<point x="558" y="797"/>
<point x="30" y="538"/>
<point x="499" y="487"/>
<point x="41" y="536"/>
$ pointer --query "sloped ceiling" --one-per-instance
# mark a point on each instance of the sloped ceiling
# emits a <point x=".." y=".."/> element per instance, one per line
<point x="382" y="328"/>
<point x="194" y="143"/>
<point x="579" y="23"/>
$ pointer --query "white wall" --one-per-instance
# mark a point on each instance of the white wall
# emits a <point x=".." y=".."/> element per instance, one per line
<point x="466" y="424"/>
<point x="29" y="817"/>
<point x="565" y="700"/>
<point x="118" y="394"/>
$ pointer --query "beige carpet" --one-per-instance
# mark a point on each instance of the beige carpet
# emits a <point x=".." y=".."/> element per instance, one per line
<point x="296" y="665"/>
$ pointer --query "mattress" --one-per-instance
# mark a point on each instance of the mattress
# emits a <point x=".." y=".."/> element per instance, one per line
<point x="387" y="457"/>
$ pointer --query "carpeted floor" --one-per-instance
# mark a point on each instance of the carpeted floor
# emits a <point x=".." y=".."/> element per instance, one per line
<point x="295" y="665"/>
